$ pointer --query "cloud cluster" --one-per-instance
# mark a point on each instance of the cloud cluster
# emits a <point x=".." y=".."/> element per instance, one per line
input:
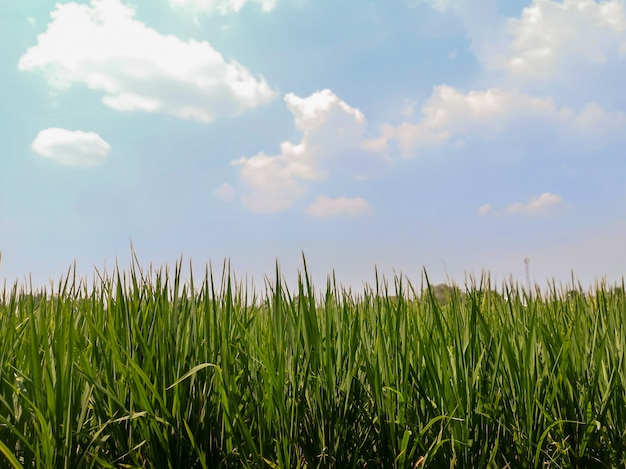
<point x="545" y="44"/>
<point x="103" y="47"/>
<point x="222" y="7"/>
<point x="558" y="40"/>
<point x="333" y="143"/>
<point x="545" y="204"/>
<point x="499" y="115"/>
<point x="575" y="50"/>
<point x="71" y="147"/>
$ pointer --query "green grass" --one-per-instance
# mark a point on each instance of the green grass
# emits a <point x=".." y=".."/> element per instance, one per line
<point x="145" y="370"/>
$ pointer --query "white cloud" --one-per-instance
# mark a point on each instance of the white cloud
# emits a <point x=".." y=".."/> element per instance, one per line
<point x="71" y="148"/>
<point x="545" y="204"/>
<point x="450" y="113"/>
<point x="485" y="209"/>
<point x="324" y="207"/>
<point x="103" y="47"/>
<point x="225" y="192"/>
<point x="333" y="143"/>
<point x="560" y="39"/>
<point x="275" y="182"/>
<point x="576" y="45"/>
<point x="453" y="117"/>
<point x="541" y="205"/>
<point x="221" y="6"/>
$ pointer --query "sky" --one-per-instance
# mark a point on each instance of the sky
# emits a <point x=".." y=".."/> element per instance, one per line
<point x="452" y="136"/>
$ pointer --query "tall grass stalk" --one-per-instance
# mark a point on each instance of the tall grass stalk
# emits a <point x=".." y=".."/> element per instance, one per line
<point x="145" y="370"/>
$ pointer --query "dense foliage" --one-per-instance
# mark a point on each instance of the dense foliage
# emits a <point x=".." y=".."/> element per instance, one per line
<point x="143" y="370"/>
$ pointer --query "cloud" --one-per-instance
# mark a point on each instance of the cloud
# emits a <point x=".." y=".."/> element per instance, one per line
<point x="450" y="114"/>
<point x="541" y="205"/>
<point x="545" y="204"/>
<point x="225" y="192"/>
<point x="593" y="119"/>
<point x="71" y="148"/>
<point x="274" y="183"/>
<point x="480" y="19"/>
<point x="222" y="7"/>
<point x="557" y="40"/>
<point x="451" y="117"/>
<point x="333" y="144"/>
<point x="574" y="48"/>
<point x="485" y="209"/>
<point x="103" y="47"/>
<point x="324" y="207"/>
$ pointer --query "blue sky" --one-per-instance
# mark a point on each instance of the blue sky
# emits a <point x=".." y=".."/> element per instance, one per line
<point x="457" y="135"/>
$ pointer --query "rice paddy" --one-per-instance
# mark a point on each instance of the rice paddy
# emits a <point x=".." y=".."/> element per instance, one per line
<point x="143" y="369"/>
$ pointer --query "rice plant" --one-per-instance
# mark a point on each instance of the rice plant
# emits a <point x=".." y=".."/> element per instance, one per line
<point x="145" y="369"/>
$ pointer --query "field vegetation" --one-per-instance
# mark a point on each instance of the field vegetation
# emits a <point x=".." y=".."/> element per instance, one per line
<point x="143" y="369"/>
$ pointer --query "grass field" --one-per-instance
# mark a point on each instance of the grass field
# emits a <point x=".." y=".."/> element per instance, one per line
<point x="145" y="370"/>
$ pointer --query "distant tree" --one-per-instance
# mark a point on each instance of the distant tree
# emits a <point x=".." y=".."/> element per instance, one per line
<point x="443" y="293"/>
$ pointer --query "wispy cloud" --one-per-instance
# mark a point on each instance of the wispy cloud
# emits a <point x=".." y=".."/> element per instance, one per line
<point x="450" y="115"/>
<point x="225" y="192"/>
<point x="325" y="207"/>
<point x="71" y="147"/>
<point x="221" y="6"/>
<point x="485" y="209"/>
<point x="541" y="205"/>
<point x="139" y="69"/>
<point x="500" y="116"/>
<point x="545" y="204"/>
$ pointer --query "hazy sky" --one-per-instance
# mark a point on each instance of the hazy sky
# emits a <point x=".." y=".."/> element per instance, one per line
<point x="455" y="135"/>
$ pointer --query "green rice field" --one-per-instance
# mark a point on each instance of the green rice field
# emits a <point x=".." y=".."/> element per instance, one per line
<point x="145" y="369"/>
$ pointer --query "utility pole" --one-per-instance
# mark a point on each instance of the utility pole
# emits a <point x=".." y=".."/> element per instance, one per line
<point x="527" y="262"/>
